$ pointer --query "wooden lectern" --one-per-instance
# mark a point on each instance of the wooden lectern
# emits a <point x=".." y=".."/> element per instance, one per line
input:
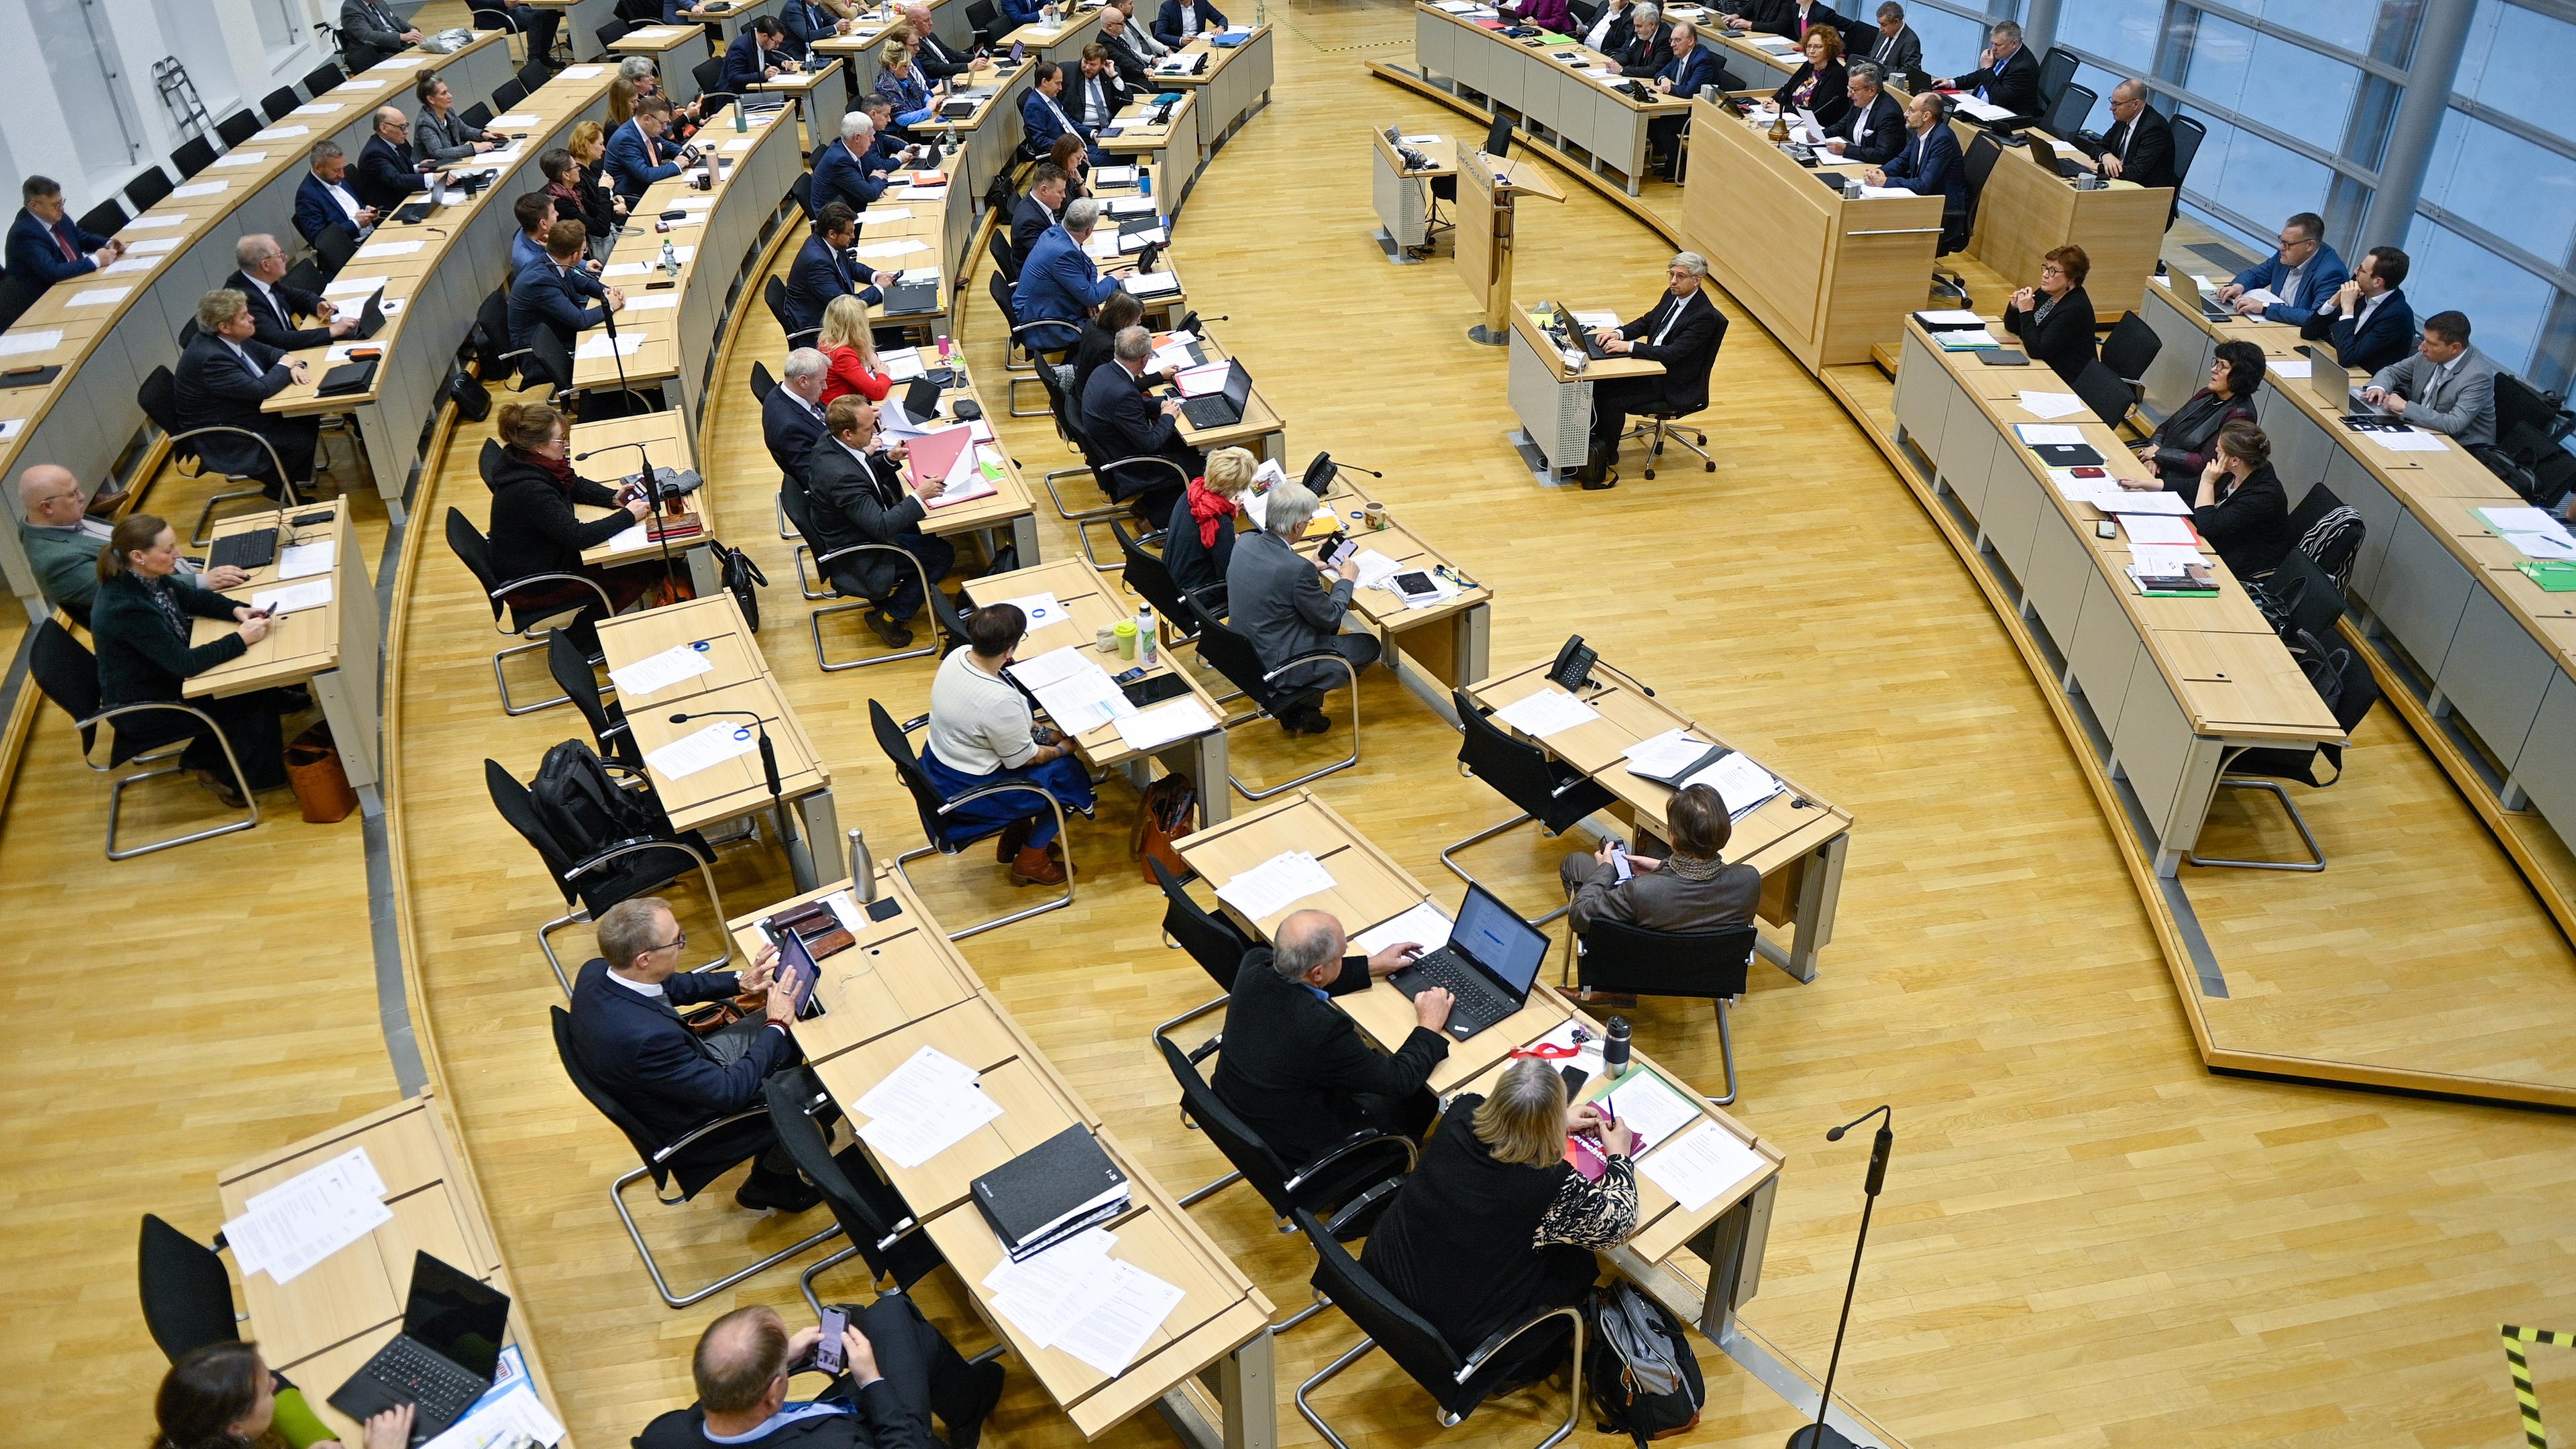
<point x="1487" y="186"/>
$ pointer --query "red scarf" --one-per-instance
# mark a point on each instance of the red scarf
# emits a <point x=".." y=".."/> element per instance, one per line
<point x="1211" y="508"/>
<point x="559" y="469"/>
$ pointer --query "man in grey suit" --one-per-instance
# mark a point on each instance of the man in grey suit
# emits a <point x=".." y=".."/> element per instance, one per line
<point x="370" y="32"/>
<point x="1893" y="47"/>
<point x="1277" y="602"/>
<point x="1692" y="889"/>
<point x="2446" y="387"/>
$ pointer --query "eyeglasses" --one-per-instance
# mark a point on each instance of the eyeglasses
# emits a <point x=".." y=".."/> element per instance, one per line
<point x="2052" y="270"/>
<point x="673" y="944"/>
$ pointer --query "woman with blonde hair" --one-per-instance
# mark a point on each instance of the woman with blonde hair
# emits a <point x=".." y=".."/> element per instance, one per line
<point x="1496" y="1224"/>
<point x="1200" y="540"/>
<point x="901" y="80"/>
<point x="847" y="341"/>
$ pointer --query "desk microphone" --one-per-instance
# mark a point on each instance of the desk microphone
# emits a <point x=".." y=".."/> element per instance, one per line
<point x="1819" y="1435"/>
<point x="768" y="761"/>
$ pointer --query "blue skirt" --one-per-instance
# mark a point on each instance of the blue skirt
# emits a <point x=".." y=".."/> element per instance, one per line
<point x="1063" y="777"/>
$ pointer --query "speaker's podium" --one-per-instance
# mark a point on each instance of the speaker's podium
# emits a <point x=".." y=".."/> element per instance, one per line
<point x="1487" y="187"/>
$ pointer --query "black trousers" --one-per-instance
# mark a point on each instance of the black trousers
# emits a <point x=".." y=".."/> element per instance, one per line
<point x="905" y="599"/>
<point x="539" y="26"/>
<point x="1613" y="400"/>
<point x="1404" y="1116"/>
<point x="295" y="440"/>
<point x="250" y="721"/>
<point x="1362" y="650"/>
<point x="927" y="1373"/>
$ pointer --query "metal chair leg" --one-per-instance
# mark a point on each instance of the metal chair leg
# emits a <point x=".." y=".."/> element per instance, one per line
<point x="2316" y="857"/>
<point x="1052" y="903"/>
<point x="805" y="1280"/>
<point x="1725" y="1054"/>
<point x="617" y="1199"/>
<point x="1328" y="1371"/>
<point x="1479" y="838"/>
<point x="502" y="679"/>
<point x="116" y="802"/>
<point x="829" y="666"/>
<point x="203" y="533"/>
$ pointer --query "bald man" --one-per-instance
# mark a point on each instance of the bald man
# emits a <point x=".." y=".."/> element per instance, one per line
<point x="898" y="1371"/>
<point x="387" y="175"/>
<point x="62" y="541"/>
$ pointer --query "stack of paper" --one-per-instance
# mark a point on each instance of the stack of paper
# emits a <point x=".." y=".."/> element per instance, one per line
<point x="13" y="344"/>
<point x="1146" y="284"/>
<point x="1699" y="1164"/>
<point x="1129" y="205"/>
<point x="1650" y="1105"/>
<point x="1966" y="339"/>
<point x="1742" y="784"/>
<point x="2157" y="528"/>
<point x="200" y="188"/>
<point x="306" y="560"/>
<point x="358" y="287"/>
<point x="305" y="1219"/>
<point x="2115" y="499"/>
<point x="1076" y="1298"/>
<point x="311" y="594"/>
<point x="1426" y="926"/>
<point x="2287" y="366"/>
<point x="870" y="217"/>
<point x="129" y="266"/>
<point x="2533" y="531"/>
<point x="2037" y="435"/>
<point x="505" y="1417"/>
<point x="1275" y="884"/>
<point x="898" y="248"/>
<point x="924" y="1107"/>
<point x="98" y="297"/>
<point x="2400" y="440"/>
<point x="152" y="223"/>
<point x="243" y="158"/>
<point x="690" y="753"/>
<point x="389" y="248"/>
<point x="1545" y="713"/>
<point x="600" y="344"/>
<point x="2051" y="404"/>
<point x="1982" y="110"/>
<point x="1076" y="692"/>
<point x="1151" y="729"/>
<point x="1665" y="755"/>
<point x="656" y="672"/>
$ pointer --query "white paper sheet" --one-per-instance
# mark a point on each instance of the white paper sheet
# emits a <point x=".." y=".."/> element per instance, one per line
<point x="718" y="742"/>
<point x="2051" y="404"/>
<point x="281" y="133"/>
<point x="1740" y="782"/>
<point x="312" y="594"/>
<point x="924" y="1107"/>
<point x="318" y="108"/>
<point x="389" y="248"/>
<point x="600" y="344"/>
<point x="1146" y="284"/>
<point x="1075" y="691"/>
<point x="15" y="344"/>
<point x="201" y="188"/>
<point x="1546" y="712"/>
<point x="152" y="223"/>
<point x="1043" y="1294"/>
<point x="2288" y="367"/>
<point x="1159" y="725"/>
<point x="577" y="72"/>
<point x="98" y="297"/>
<point x="10" y="428"/>
<point x="500" y="1420"/>
<point x="656" y="672"/>
<point x="1700" y="1164"/>
<point x="359" y="287"/>
<point x="515" y="118"/>
<point x="650" y="302"/>
<point x="2116" y="499"/>
<point x="2037" y="434"/>
<point x="1275" y="884"/>
<point x="2155" y="528"/>
<point x="2162" y="561"/>
<point x="2413" y="440"/>
<point x="289" y="1228"/>
<point x="307" y="560"/>
<point x="1645" y="1101"/>
<point x="243" y="158"/>
<point x="1042" y="609"/>
<point x="1119" y="1318"/>
<point x="129" y="266"/>
<point x="1426" y="925"/>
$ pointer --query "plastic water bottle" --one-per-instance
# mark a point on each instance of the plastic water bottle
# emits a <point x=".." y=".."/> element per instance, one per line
<point x="1145" y="640"/>
<point x="1144" y="180"/>
<point x="670" y="258"/>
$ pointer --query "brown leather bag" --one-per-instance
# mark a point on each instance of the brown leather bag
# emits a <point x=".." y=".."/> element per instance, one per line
<point x="321" y="782"/>
<point x="815" y="924"/>
<point x="1166" y="814"/>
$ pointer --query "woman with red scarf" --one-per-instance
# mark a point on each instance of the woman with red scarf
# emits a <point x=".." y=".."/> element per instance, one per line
<point x="535" y="531"/>
<point x="1201" y="537"/>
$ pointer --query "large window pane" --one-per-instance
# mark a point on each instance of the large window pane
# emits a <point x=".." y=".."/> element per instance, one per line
<point x="2099" y="81"/>
<point x="1951" y="43"/>
<point x="2504" y="303"/>
<point x="2346" y="23"/>
<point x="2271" y="80"/>
<point x="87" y="76"/>
<point x="2518" y="61"/>
<point x="2256" y="177"/>
<point x="2123" y="31"/>
<point x="2498" y="181"/>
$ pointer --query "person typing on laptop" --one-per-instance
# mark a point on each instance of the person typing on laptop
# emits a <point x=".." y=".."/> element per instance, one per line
<point x="222" y="1394"/>
<point x="1295" y="1066"/>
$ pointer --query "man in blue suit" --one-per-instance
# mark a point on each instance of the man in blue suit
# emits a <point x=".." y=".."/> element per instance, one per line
<point x="791" y="417"/>
<point x="386" y="171"/>
<point x="1043" y="117"/>
<point x="535" y="213"/>
<point x="1179" y="20"/>
<point x="260" y="277"/>
<point x="45" y="246"/>
<point x="2368" y="319"/>
<point x="755" y="56"/>
<point x="807" y="21"/>
<point x="851" y="170"/>
<point x="2303" y="274"/>
<point x="557" y="292"/>
<point x="822" y="271"/>
<point x="632" y="1042"/>
<point x="1022" y="12"/>
<point x="636" y="156"/>
<point x="220" y="382"/>
<point x="323" y="199"/>
<point x="1679" y="78"/>
<point x="1929" y="164"/>
<point x="1058" y="280"/>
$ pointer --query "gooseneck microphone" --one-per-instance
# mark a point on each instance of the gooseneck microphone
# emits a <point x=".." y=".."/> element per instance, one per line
<point x="1820" y="1435"/>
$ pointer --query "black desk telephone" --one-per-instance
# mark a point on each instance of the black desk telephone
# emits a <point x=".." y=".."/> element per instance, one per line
<point x="1573" y="667"/>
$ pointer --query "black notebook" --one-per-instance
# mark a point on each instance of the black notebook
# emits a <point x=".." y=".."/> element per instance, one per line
<point x="2068" y="455"/>
<point x="347" y="378"/>
<point x="1050" y="1192"/>
<point x="30" y="376"/>
<point x="2002" y="357"/>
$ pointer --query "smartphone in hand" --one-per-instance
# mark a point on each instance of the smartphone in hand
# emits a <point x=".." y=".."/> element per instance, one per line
<point x="828" y="1354"/>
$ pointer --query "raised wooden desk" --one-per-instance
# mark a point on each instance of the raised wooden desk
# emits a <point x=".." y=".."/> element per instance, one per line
<point x="1061" y="42"/>
<point x="2026" y="210"/>
<point x="1728" y="1233"/>
<point x="333" y="648"/>
<point x="1006" y="512"/>
<point x="664" y="437"/>
<point x="1487" y="191"/>
<point x="898" y="971"/>
<point x="988" y="137"/>
<point x="675" y="51"/>
<point x="326" y="1323"/>
<point x="1552" y="400"/>
<point x="861" y="48"/>
<point x="1261" y="428"/>
<point x="1133" y="136"/>
<point x="1449" y="641"/>
<point x="1402" y="197"/>
<point x="1230" y="88"/>
<point x="1795" y="838"/>
<point x="1562" y="91"/>
<point x="816" y="94"/>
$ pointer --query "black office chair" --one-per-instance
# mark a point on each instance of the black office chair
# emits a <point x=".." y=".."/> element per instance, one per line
<point x="104" y="218"/>
<point x="475" y="551"/>
<point x="1019" y="360"/>
<point x="2187" y="136"/>
<point x="159" y="399"/>
<point x="2346" y="672"/>
<point x="773" y="293"/>
<point x="535" y="73"/>
<point x="574" y="674"/>
<point x="507" y="94"/>
<point x="477" y="117"/>
<point x="2068" y="110"/>
<point x="1545" y="789"/>
<point x="546" y="362"/>
<point x="1960" y="224"/>
<point x="2129" y="350"/>
<point x="2298" y="596"/>
<point x="1233" y="656"/>
<point x="709" y="73"/>
<point x="67" y="672"/>
<point x="187" y="1295"/>
<point x="2056" y="73"/>
<point x="1144" y="572"/>
<point x="980" y="14"/>
<point x="594" y="874"/>
<point x="336" y="244"/>
<point x="278" y="102"/>
<point x="1457" y="1384"/>
<point x="236" y="128"/>
<point x="1217" y="944"/>
<point x="1621" y="958"/>
<point x="1659" y="417"/>
<point x="322" y="78"/>
<point x="2105" y="393"/>
<point x="17" y="294"/>
<point x="146" y="191"/>
<point x="611" y="33"/>
<point x="2330" y="535"/>
<point x="762" y="385"/>
<point x="640" y="12"/>
<point x="872" y="1215"/>
<point x="799" y="510"/>
<point x="305" y="276"/>
<point x="946" y="837"/>
<point x="658" y="1162"/>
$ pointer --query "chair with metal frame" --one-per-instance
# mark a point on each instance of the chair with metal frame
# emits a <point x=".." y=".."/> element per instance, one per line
<point x="872" y="1215"/>
<point x="1457" y="1384"/>
<point x="1144" y="572"/>
<point x="475" y="551"/>
<point x="2104" y="394"/>
<point x="67" y="673"/>
<point x="2056" y="72"/>
<point x="159" y="399"/>
<point x="187" y="1296"/>
<point x="238" y="127"/>
<point x="103" y="219"/>
<point x="934" y="809"/>
<point x="147" y="190"/>
<point x="1233" y="656"/>
<point x="324" y="76"/>
<point x="611" y="33"/>
<point x="709" y="74"/>
<point x="657" y="1162"/>
<point x="792" y="501"/>
<point x="336" y="244"/>
<point x="762" y="385"/>
<point x="1547" y="790"/>
<point x="2065" y="113"/>
<point x="2259" y="768"/>
<point x="1068" y="426"/>
<point x="278" y="102"/>
<point x="2129" y="349"/>
<point x="589" y="873"/>
<point x="574" y="675"/>
<point x="1622" y="958"/>
<point x="1957" y="227"/>
<point x="1212" y="940"/>
<point x="507" y="94"/>
<point x="773" y="294"/>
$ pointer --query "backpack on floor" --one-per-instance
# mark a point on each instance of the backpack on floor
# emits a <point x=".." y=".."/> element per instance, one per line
<point x="1644" y="1379"/>
<point x="584" y="809"/>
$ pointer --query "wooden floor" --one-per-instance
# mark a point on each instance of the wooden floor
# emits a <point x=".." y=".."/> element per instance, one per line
<point x="2087" y="1239"/>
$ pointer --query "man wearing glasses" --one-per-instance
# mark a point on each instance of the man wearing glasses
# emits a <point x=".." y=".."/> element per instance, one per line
<point x="2295" y="281"/>
<point x="628" y="1033"/>
<point x="387" y="175"/>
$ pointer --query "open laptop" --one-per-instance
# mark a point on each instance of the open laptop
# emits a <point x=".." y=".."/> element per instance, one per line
<point x="2182" y="285"/>
<point x="2046" y="155"/>
<point x="371" y="317"/>
<point x="443" y="1359"/>
<point x="2337" y="386"/>
<point x="1490" y="962"/>
<point x="1224" y="407"/>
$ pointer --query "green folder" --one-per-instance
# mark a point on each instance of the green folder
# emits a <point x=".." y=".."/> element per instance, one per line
<point x="2554" y="576"/>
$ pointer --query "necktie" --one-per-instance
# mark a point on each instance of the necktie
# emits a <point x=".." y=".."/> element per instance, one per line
<point x="70" y="253"/>
<point x="1666" y="330"/>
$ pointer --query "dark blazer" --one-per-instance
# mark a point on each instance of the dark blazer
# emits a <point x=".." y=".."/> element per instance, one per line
<point x="854" y="181"/>
<point x="34" y="254"/>
<point x="385" y="175"/>
<point x="1040" y="125"/>
<point x="2184" y="438"/>
<point x="807" y="22"/>
<point x="1894" y="55"/>
<point x="1125" y="423"/>
<point x="275" y="328"/>
<point x="141" y="659"/>
<point x="1831" y="100"/>
<point x="588" y="205"/>
<point x="1029" y="221"/>
<point x="1194" y="565"/>
<point x="1817" y="14"/>
<point x="641" y="1054"/>
<point x="1642" y="55"/>
<point x="1275" y="598"/>
<point x="1093" y="350"/>
<point x="317" y="211"/>
<point x="215" y="390"/>
<point x="1455" y="1243"/>
<point x="1930" y="165"/>
<point x="2149" y="158"/>
<point x="1132" y="62"/>
<point x="881" y="1421"/>
<point x="2385" y="340"/>
<point x="855" y="501"/>
<point x="1886" y="130"/>
<point x="566" y="299"/>
<point x="939" y="61"/>
<point x="534" y="529"/>
<point x="1687" y="351"/>
<point x="637" y="161"/>
<point x="746" y="64"/>
<point x="1769" y="17"/>
<point x="1167" y="21"/>
<point x="2250" y="527"/>
<point x="1058" y="282"/>
<point x="1292" y="1063"/>
<point x="2064" y="341"/>
<point x="790" y="429"/>
<point x="370" y="33"/>
<point x="1114" y="94"/>
<point x="1689" y="73"/>
<point x="2013" y="84"/>
<point x="819" y="274"/>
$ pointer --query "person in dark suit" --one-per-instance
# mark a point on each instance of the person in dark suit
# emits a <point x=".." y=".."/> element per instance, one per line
<point x="2140" y="144"/>
<point x="534" y="211"/>
<point x="822" y="270"/>
<point x="2240" y="507"/>
<point x="1683" y="73"/>
<point x="630" y="1039"/>
<point x="1291" y="608"/>
<point x="387" y="174"/>
<point x="1928" y="163"/>
<point x="1059" y="282"/>
<point x="1198" y="544"/>
<point x="1125" y="423"/>
<point x="857" y="495"/>
<point x="636" y="155"/>
<point x="1892" y="46"/>
<point x="907" y="88"/>
<point x="593" y="206"/>
<point x="2054" y="320"/>
<point x="259" y="277"/>
<point x="1043" y="116"/>
<point x="2368" y="321"/>
<point x="1646" y="45"/>
<point x="1098" y="345"/>
<point x="756" y="55"/>
<point x="1872" y="128"/>
<point x="1181" y="20"/>
<point x="1130" y="58"/>
<point x="223" y="377"/>
<point x="852" y="170"/>
<point x="1039" y="209"/>
<point x="2181" y="445"/>
<point x="1769" y="17"/>
<point x="807" y="21"/>
<point x="898" y="1370"/>
<point x="45" y="246"/>
<point x="1822" y="84"/>
<point x="140" y="624"/>
<point x="1495" y="1224"/>
<point x="1296" y="1068"/>
<point x="535" y="530"/>
<point x="1608" y="27"/>
<point x="537" y="22"/>
<point x="1693" y="888"/>
<point x="1683" y="331"/>
<point x="937" y="58"/>
<point x="1096" y="91"/>
<point x="2007" y="75"/>
<point x="371" y="34"/>
<point x="559" y="292"/>
<point x="326" y="198"/>
<point x="791" y="417"/>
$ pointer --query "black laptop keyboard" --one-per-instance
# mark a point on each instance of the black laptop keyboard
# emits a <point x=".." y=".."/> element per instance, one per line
<point x="1479" y="1004"/>
<point x="440" y="1388"/>
<point x="1211" y="411"/>
<point x="251" y="549"/>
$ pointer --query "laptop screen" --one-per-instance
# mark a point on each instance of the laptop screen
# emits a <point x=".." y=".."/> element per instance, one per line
<point x="2332" y="382"/>
<point x="1238" y="387"/>
<point x="456" y="1316"/>
<point x="1498" y="141"/>
<point x="1499" y="939"/>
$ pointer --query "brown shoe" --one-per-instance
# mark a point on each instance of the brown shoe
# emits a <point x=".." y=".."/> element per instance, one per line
<point x="1033" y="866"/>
<point x="1014" y="835"/>
<point x="223" y="788"/>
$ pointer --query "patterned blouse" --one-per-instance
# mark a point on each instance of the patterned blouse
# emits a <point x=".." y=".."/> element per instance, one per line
<point x="1592" y="1214"/>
